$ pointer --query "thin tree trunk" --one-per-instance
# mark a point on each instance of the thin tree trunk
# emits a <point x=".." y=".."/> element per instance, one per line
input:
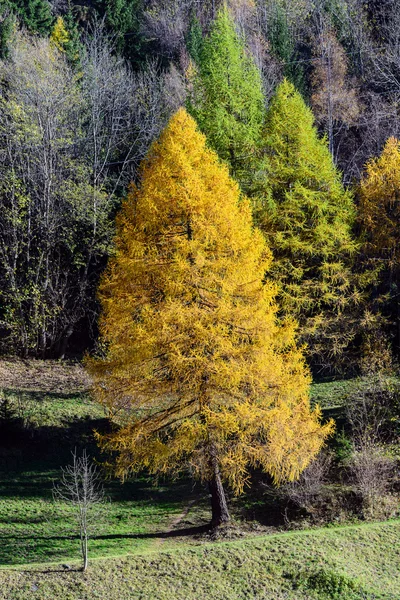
<point x="219" y="506"/>
<point x="84" y="550"/>
<point x="85" y="555"/>
<point x="63" y="344"/>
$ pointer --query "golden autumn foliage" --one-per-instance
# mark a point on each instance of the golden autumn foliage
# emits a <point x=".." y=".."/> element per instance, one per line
<point x="59" y="35"/>
<point x="379" y="221"/>
<point x="379" y="207"/>
<point x="195" y="370"/>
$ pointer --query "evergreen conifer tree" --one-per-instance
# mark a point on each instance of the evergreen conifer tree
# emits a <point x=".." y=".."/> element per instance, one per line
<point x="283" y="45"/>
<point x="7" y="24"/>
<point x="195" y="40"/>
<point x="35" y="14"/>
<point x="196" y="371"/>
<point x="123" y="19"/>
<point x="308" y="219"/>
<point x="227" y="98"/>
<point x="73" y="46"/>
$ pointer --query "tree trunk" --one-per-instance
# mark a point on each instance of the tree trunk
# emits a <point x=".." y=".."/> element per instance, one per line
<point x="85" y="551"/>
<point x="63" y="343"/>
<point x="219" y="506"/>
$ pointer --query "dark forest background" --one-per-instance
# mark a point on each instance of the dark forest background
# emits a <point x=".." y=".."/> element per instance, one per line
<point x="85" y="87"/>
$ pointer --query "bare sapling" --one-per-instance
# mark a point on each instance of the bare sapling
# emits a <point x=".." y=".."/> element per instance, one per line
<point x="370" y="414"/>
<point x="80" y="486"/>
<point x="305" y="491"/>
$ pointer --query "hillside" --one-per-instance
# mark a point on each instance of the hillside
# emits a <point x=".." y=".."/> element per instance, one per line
<point x="349" y="563"/>
<point x="199" y="299"/>
<point x="158" y="533"/>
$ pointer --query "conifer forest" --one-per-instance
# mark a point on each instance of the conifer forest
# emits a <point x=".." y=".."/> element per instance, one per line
<point x="200" y="299"/>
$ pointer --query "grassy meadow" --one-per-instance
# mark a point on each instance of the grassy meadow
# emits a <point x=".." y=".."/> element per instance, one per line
<point x="151" y="539"/>
<point x="348" y="563"/>
<point x="48" y="426"/>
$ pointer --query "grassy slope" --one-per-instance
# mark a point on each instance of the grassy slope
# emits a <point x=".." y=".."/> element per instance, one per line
<point x="59" y="417"/>
<point x="347" y="563"/>
<point x="33" y="528"/>
<point x="54" y="416"/>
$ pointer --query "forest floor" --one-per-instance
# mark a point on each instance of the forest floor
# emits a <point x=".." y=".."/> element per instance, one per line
<point x="154" y="534"/>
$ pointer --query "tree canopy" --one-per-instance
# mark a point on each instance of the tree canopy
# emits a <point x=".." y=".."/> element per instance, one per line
<point x="307" y="218"/>
<point x="196" y="370"/>
<point x="379" y="213"/>
<point x="227" y="97"/>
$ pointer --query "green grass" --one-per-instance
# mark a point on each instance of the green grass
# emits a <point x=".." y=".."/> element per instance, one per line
<point x="32" y="527"/>
<point x="132" y="555"/>
<point x="37" y="409"/>
<point x="332" y="394"/>
<point x="50" y="410"/>
<point x="349" y="563"/>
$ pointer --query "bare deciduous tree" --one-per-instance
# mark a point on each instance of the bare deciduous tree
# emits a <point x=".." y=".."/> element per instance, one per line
<point x="334" y="98"/>
<point x="80" y="486"/>
<point x="55" y="224"/>
<point x="369" y="412"/>
<point x="167" y="23"/>
<point x="306" y="489"/>
<point x="372" y="470"/>
<point x="369" y="408"/>
<point x="69" y="145"/>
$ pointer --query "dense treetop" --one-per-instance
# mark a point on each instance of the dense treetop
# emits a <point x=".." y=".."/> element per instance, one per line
<point x="227" y="99"/>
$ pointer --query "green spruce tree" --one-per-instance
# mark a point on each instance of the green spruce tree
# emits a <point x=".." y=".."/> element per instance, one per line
<point x="73" y="47"/>
<point x="307" y="218"/>
<point x="35" y="15"/>
<point x="7" y="24"/>
<point x="283" y="45"/>
<point x="227" y="98"/>
<point x="123" y="19"/>
<point x="194" y="40"/>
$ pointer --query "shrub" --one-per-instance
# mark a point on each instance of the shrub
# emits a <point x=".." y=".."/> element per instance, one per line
<point x="343" y="447"/>
<point x="305" y="491"/>
<point x="329" y="584"/>
<point x="373" y="471"/>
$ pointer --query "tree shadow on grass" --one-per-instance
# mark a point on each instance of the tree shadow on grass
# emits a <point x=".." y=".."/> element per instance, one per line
<point x="183" y="532"/>
<point x="44" y="395"/>
<point x="40" y="551"/>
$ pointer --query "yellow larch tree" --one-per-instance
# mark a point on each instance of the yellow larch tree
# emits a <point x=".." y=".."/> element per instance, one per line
<point x="59" y="35"/>
<point x="379" y="206"/>
<point x="195" y="370"/>
<point x="379" y="221"/>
